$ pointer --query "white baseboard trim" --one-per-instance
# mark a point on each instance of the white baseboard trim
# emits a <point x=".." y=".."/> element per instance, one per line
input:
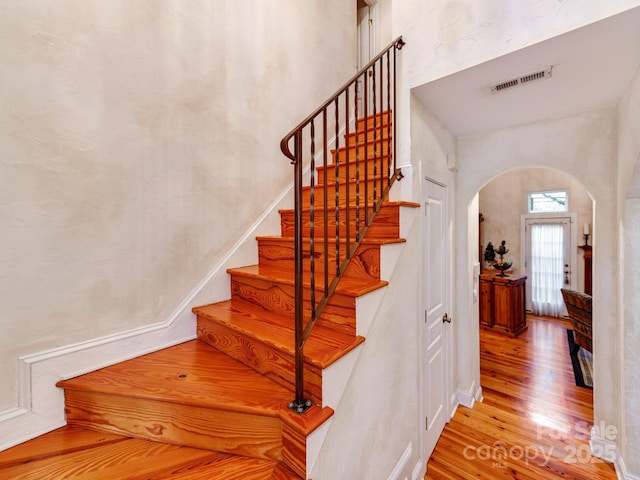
<point x="399" y="471"/>
<point x="468" y="397"/>
<point x="41" y="403"/>
<point x="453" y="408"/>
<point x="603" y="448"/>
<point x="607" y="450"/>
<point x="420" y="470"/>
<point x="621" y="468"/>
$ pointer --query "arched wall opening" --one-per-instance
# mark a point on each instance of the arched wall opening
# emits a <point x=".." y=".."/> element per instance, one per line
<point x="584" y="147"/>
<point x="503" y="204"/>
<point x="503" y="201"/>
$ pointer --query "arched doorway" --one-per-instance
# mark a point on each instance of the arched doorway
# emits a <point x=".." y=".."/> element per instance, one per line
<point x="503" y="204"/>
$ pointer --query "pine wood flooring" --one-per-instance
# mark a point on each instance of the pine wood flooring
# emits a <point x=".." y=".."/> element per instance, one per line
<point x="75" y="453"/>
<point x="533" y="423"/>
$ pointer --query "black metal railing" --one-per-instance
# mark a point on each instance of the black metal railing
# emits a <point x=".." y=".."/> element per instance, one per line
<point x="352" y="187"/>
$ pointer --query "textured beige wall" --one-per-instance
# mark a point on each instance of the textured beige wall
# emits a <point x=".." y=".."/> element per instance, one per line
<point x="138" y="141"/>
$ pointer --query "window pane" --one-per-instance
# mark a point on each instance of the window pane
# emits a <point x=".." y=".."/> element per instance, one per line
<point x="556" y="201"/>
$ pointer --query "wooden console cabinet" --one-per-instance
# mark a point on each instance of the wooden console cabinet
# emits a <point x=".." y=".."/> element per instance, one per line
<point x="502" y="303"/>
<point x="587" y="268"/>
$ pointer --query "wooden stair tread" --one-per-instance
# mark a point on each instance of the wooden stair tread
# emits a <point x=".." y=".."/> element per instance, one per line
<point x="365" y="241"/>
<point x="71" y="452"/>
<point x="323" y="347"/>
<point x="346" y="286"/>
<point x="399" y="203"/>
<point x="191" y="373"/>
<point x="351" y="181"/>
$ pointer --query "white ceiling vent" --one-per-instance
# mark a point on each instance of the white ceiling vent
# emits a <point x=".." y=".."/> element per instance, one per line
<point x="521" y="80"/>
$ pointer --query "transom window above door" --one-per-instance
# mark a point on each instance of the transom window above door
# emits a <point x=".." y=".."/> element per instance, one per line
<point x="549" y="201"/>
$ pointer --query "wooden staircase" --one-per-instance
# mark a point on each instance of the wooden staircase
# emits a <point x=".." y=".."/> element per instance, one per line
<point x="217" y="406"/>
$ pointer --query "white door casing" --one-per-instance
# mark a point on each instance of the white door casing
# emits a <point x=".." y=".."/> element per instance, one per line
<point x="367" y="47"/>
<point x="435" y="300"/>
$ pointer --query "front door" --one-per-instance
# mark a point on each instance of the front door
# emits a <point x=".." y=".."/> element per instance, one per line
<point x="435" y="332"/>
<point x="545" y="298"/>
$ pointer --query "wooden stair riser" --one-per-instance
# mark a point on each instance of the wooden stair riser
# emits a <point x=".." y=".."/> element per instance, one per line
<point x="363" y="169"/>
<point x="280" y="253"/>
<point x="371" y="135"/>
<point x="237" y="433"/>
<point x="339" y="313"/>
<point x="73" y="453"/>
<point x="277" y="364"/>
<point x="368" y="151"/>
<point x="294" y="449"/>
<point x="362" y="192"/>
<point x="386" y="223"/>
<point x="371" y="120"/>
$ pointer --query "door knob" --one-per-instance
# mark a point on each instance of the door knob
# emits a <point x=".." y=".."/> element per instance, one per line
<point x="446" y="318"/>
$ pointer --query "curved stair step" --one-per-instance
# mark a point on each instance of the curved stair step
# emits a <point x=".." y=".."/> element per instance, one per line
<point x="190" y="394"/>
<point x="76" y="453"/>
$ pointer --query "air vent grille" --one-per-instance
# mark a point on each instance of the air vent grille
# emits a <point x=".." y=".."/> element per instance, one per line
<point x="521" y="80"/>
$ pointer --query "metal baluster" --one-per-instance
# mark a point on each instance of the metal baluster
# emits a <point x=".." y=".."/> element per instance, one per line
<point x="357" y="133"/>
<point x="325" y="210"/>
<point x="375" y="146"/>
<point x="337" y="186"/>
<point x="312" y="198"/>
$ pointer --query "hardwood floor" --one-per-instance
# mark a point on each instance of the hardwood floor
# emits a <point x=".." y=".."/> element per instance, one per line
<point x="533" y="422"/>
<point x="75" y="453"/>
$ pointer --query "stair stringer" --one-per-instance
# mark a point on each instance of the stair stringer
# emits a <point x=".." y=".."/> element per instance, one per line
<point x="363" y="425"/>
<point x="335" y="378"/>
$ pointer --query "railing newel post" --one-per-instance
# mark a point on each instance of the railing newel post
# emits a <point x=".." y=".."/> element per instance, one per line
<point x="298" y="260"/>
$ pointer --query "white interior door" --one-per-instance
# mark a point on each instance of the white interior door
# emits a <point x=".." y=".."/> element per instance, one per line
<point x="569" y="246"/>
<point x="435" y="300"/>
<point x="366" y="33"/>
<point x="367" y="41"/>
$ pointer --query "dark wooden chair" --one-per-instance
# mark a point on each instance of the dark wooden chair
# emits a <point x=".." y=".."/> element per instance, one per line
<point x="579" y="308"/>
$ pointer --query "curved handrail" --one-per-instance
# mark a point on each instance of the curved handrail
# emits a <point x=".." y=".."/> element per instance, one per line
<point x="370" y="176"/>
<point x="398" y="43"/>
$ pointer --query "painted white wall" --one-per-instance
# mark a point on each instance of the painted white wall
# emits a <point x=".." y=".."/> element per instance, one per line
<point x="505" y="199"/>
<point x="139" y="142"/>
<point x="629" y="266"/>
<point x="584" y="146"/>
